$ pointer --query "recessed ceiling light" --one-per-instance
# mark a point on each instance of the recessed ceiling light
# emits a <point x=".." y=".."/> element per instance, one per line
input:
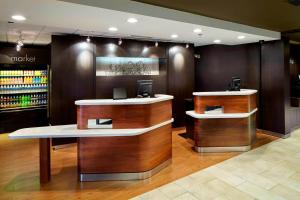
<point x="113" y="29"/>
<point x="217" y="41"/>
<point x="18" y="17"/>
<point x="197" y="30"/>
<point x="240" y="37"/>
<point x="174" y="36"/>
<point x="132" y="20"/>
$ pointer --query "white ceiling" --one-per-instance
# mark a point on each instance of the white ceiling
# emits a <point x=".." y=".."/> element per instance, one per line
<point x="47" y="17"/>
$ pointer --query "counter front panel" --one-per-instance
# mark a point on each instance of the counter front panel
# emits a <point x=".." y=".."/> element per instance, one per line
<point x="230" y="104"/>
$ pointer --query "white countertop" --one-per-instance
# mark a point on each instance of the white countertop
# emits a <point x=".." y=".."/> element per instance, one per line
<point x="131" y="101"/>
<point x="226" y="93"/>
<point x="72" y="131"/>
<point x="193" y="114"/>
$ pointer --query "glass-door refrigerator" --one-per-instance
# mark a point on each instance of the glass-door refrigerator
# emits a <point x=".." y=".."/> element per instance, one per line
<point x="23" y="87"/>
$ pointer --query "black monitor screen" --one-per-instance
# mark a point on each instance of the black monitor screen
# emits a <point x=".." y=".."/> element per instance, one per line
<point x="235" y="84"/>
<point x="144" y="88"/>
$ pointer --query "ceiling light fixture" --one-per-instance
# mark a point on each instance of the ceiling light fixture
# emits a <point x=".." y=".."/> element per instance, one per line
<point x="197" y="30"/>
<point x="240" y="37"/>
<point x="113" y="29"/>
<point x="20" y="42"/>
<point x="18" y="48"/>
<point x="187" y="46"/>
<point x="217" y="41"/>
<point x="18" y="17"/>
<point x="88" y="39"/>
<point x="174" y="36"/>
<point x="120" y="41"/>
<point x="156" y="44"/>
<point x="132" y="20"/>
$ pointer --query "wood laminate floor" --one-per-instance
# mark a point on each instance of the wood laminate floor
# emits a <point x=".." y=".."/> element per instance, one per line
<point x="19" y="171"/>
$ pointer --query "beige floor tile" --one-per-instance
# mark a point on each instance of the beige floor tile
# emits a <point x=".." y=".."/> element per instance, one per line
<point x="186" y="182"/>
<point x="154" y="194"/>
<point x="296" y="176"/>
<point x="278" y="173"/>
<point x="257" y="192"/>
<point x="172" y="190"/>
<point x="255" y="179"/>
<point x="292" y="164"/>
<point x="221" y="198"/>
<point x="291" y="183"/>
<point x="186" y="196"/>
<point x="202" y="191"/>
<point x="225" y="176"/>
<point x="227" y="190"/>
<point x="286" y="192"/>
<point x="202" y="176"/>
<point x="271" y="171"/>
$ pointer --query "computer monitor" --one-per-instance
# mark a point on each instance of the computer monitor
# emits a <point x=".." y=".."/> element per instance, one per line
<point x="144" y="88"/>
<point x="119" y="93"/>
<point x="235" y="84"/>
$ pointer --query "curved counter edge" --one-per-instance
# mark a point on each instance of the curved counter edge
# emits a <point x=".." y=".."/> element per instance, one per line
<point x="72" y="131"/>
<point x="193" y="114"/>
<point x="130" y="101"/>
<point x="226" y="93"/>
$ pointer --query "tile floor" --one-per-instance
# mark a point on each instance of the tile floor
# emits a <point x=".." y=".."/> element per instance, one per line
<point x="271" y="171"/>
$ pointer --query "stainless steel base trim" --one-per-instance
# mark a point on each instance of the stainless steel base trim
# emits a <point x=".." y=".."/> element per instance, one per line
<point x="283" y="136"/>
<point x="124" y="176"/>
<point x="222" y="149"/>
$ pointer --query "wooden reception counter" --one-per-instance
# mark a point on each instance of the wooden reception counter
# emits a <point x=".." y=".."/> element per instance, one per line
<point x="137" y="144"/>
<point x="231" y="127"/>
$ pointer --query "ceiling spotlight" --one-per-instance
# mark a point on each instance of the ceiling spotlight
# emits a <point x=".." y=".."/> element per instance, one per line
<point x="88" y="39"/>
<point x="20" y="43"/>
<point x="240" y="37"/>
<point x="174" y="36"/>
<point x="187" y="46"/>
<point x="217" y="41"/>
<point x="197" y="30"/>
<point x="18" y="17"/>
<point x="132" y="20"/>
<point x="113" y="29"/>
<point x="18" y="48"/>
<point x="120" y="41"/>
<point x="156" y="44"/>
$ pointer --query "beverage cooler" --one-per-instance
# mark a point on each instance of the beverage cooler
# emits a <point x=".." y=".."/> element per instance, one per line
<point x="23" y="96"/>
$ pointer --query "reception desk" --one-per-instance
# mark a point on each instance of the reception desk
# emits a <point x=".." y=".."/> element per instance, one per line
<point x="135" y="145"/>
<point x="232" y="127"/>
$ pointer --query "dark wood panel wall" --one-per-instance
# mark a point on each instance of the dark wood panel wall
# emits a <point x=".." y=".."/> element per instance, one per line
<point x="272" y="86"/>
<point x="292" y="53"/>
<point x="219" y="63"/>
<point x="72" y="76"/>
<point x="73" y="73"/>
<point x="181" y="79"/>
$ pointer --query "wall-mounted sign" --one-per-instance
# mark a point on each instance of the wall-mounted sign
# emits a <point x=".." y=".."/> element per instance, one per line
<point x="120" y="66"/>
<point x="25" y="58"/>
<point x="38" y="55"/>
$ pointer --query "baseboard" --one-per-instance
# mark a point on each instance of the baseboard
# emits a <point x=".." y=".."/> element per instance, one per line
<point x="283" y="136"/>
